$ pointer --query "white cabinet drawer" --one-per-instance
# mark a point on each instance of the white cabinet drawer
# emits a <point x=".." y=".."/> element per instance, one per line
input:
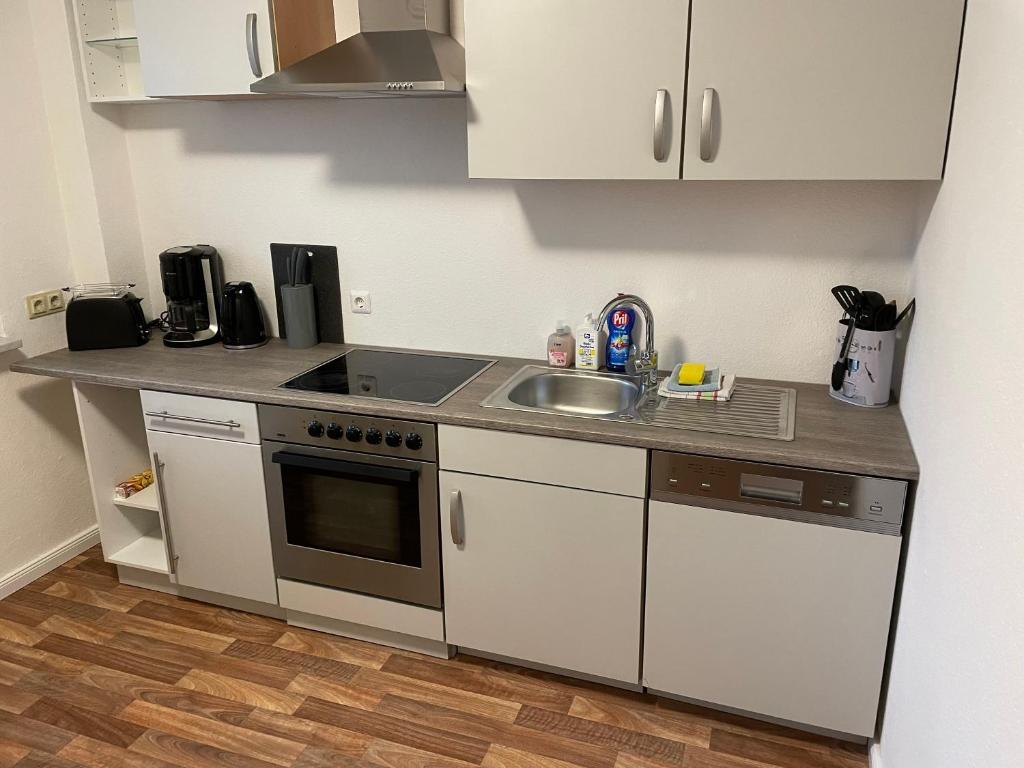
<point x="201" y="416"/>
<point x="549" y="460"/>
<point x="337" y="604"/>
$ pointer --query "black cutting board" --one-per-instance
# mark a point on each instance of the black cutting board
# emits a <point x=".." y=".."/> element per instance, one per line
<point x="326" y="287"/>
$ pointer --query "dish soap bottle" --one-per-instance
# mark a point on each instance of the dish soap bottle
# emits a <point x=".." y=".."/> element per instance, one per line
<point x="589" y="349"/>
<point x="561" y="346"/>
<point x="620" y="338"/>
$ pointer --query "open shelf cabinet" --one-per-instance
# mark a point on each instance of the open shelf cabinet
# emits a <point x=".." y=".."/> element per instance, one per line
<point x="132" y="530"/>
<point x="110" y="50"/>
<point x="147" y="498"/>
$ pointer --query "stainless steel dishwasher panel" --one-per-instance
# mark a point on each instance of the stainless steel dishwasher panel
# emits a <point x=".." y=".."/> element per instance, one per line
<point x="827" y="498"/>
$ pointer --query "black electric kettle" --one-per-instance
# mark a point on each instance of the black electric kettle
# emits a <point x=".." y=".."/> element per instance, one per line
<point x="241" y="317"/>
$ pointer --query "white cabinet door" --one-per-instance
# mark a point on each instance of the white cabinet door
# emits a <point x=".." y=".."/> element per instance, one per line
<point x="216" y="509"/>
<point x="544" y="574"/>
<point x="780" y="618"/>
<point x="568" y="89"/>
<point x="805" y="89"/>
<point x="201" y="48"/>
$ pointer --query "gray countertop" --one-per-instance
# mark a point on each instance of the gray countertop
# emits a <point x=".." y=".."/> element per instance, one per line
<point x="829" y="434"/>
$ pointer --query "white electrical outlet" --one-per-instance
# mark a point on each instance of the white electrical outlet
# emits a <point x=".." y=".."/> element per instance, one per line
<point x="359" y="302"/>
<point x="55" y="301"/>
<point x="44" y="303"/>
<point x="35" y="305"/>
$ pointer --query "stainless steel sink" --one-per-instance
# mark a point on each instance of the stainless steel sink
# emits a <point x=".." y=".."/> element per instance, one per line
<point x="755" y="410"/>
<point x="569" y="392"/>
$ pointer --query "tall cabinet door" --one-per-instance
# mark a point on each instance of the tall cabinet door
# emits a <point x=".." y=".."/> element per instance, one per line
<point x="215" y="506"/>
<point x="543" y="574"/>
<point x="203" y="48"/>
<point x="575" y="89"/>
<point x="805" y="89"/>
<point x="787" y="619"/>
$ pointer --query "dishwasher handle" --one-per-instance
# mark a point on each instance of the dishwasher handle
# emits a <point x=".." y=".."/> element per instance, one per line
<point x="764" y="488"/>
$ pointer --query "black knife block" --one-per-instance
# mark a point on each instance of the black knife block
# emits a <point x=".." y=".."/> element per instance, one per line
<point x="326" y="287"/>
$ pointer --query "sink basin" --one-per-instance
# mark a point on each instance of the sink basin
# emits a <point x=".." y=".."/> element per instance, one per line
<point x="568" y="392"/>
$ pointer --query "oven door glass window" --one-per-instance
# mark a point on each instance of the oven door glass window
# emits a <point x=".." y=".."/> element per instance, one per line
<point x="350" y="508"/>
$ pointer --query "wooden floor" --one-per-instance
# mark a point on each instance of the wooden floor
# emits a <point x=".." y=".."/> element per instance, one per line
<point x="95" y="673"/>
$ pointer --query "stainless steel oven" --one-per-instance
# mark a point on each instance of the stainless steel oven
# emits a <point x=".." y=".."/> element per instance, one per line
<point x="353" y="502"/>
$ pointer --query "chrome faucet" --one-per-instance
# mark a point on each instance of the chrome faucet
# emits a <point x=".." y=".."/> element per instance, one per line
<point x="642" y="363"/>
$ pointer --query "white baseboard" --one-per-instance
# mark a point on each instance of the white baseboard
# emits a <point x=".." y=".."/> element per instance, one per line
<point x="55" y="558"/>
<point x="875" y="755"/>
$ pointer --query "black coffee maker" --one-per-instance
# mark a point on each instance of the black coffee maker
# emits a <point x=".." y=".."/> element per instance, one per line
<point x="192" y="282"/>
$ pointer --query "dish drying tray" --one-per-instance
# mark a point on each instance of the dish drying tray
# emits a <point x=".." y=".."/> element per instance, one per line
<point x="755" y="410"/>
<point x="98" y="290"/>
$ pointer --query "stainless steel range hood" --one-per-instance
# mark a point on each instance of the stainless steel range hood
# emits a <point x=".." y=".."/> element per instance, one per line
<point x="404" y="48"/>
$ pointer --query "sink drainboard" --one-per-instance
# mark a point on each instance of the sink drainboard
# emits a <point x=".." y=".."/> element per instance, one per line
<point x="755" y="410"/>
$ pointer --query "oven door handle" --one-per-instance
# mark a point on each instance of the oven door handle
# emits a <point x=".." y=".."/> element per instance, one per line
<point x="351" y="468"/>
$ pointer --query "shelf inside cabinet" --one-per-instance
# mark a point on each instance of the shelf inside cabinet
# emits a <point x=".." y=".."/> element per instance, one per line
<point x="144" y="499"/>
<point x="115" y="42"/>
<point x="146" y="553"/>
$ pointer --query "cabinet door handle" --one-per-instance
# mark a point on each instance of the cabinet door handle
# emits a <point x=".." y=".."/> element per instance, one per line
<point x="158" y="474"/>
<point x="707" y="125"/>
<point x="252" y="44"/>
<point x="193" y="419"/>
<point x="660" y="135"/>
<point x="455" y="518"/>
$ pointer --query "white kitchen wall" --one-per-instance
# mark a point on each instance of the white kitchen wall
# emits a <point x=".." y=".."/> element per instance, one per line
<point x="956" y="693"/>
<point x="738" y="273"/>
<point x="44" y="495"/>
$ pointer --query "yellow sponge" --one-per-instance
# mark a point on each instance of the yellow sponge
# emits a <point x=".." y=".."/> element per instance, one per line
<point x="691" y="374"/>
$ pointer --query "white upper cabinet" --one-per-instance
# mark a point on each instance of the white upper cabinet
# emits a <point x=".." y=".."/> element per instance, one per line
<point x="203" y="48"/>
<point x="806" y="89"/>
<point x="575" y="89"/>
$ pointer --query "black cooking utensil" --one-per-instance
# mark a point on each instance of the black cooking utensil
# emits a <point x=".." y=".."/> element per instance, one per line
<point x="871" y="302"/>
<point x="885" y="317"/>
<point x="839" y="368"/>
<point x="906" y="310"/>
<point x="847" y="296"/>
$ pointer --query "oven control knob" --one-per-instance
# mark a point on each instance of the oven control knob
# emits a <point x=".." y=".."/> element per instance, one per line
<point x="315" y="429"/>
<point x="413" y="441"/>
<point x="354" y="433"/>
<point x="392" y="438"/>
<point x="374" y="436"/>
<point x="333" y="431"/>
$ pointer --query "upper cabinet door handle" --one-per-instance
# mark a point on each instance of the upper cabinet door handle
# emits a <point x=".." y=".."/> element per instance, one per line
<point x="707" y="125"/>
<point x="660" y="134"/>
<point x="252" y="44"/>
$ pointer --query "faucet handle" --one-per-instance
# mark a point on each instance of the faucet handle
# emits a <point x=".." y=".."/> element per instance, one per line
<point x="641" y="361"/>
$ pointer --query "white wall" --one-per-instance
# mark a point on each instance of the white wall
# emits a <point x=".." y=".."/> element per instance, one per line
<point x="44" y="496"/>
<point x="738" y="273"/>
<point x="956" y="695"/>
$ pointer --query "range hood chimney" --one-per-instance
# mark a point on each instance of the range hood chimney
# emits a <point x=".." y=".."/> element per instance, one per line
<point x="403" y="48"/>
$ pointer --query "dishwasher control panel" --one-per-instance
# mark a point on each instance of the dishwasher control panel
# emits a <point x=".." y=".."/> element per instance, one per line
<point x="830" y="498"/>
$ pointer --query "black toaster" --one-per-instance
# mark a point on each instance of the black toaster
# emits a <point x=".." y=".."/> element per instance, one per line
<point x="104" y="317"/>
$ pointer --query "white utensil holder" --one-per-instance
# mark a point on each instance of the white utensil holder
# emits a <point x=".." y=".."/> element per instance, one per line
<point x="867" y="381"/>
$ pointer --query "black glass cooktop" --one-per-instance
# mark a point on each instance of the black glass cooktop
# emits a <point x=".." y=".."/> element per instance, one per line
<point x="415" y="378"/>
